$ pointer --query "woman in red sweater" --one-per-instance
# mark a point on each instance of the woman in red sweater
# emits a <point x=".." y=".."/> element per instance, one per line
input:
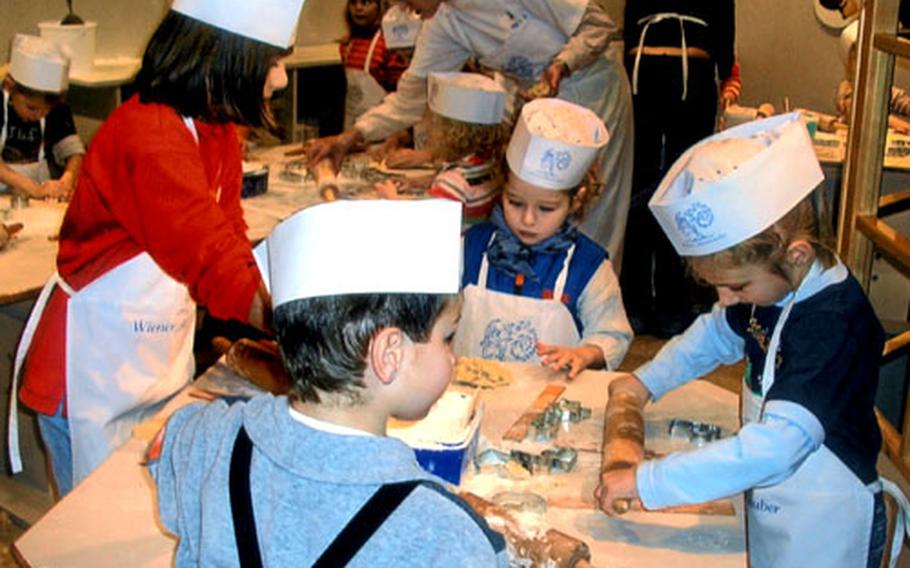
<point x="154" y="227"/>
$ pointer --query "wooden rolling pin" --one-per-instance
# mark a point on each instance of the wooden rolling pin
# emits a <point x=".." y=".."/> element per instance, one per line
<point x="257" y="361"/>
<point x="624" y="446"/>
<point x="554" y="548"/>
<point x="326" y="180"/>
<point x="624" y="435"/>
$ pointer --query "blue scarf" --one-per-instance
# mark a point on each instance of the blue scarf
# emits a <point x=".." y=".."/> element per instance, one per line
<point x="510" y="255"/>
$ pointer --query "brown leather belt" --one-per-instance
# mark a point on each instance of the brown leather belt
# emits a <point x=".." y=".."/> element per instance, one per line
<point x="696" y="52"/>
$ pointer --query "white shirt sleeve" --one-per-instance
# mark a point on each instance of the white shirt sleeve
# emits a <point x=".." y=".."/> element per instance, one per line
<point x="439" y="48"/>
<point x="590" y="40"/>
<point x="707" y="343"/>
<point x="603" y="318"/>
<point x="761" y="454"/>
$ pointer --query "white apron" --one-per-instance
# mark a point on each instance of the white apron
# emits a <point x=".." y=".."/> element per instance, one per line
<point x="129" y="347"/>
<point x="822" y="498"/>
<point x="37" y="171"/>
<point x="364" y="91"/>
<point x="505" y="327"/>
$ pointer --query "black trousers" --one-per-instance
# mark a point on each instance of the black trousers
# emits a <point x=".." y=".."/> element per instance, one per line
<point x="656" y="290"/>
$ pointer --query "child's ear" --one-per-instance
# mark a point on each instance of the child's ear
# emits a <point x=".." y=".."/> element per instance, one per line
<point x="800" y="253"/>
<point x="387" y="354"/>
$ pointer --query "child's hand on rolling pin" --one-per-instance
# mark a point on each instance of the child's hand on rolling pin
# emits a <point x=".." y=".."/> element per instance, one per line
<point x="572" y="360"/>
<point x="616" y="490"/>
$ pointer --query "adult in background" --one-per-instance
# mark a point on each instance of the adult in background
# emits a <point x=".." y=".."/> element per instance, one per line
<point x="674" y="52"/>
<point x="558" y="44"/>
<point x="154" y="226"/>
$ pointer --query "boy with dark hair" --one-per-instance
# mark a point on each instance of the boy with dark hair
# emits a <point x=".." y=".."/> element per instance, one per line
<point x="40" y="151"/>
<point x="365" y="328"/>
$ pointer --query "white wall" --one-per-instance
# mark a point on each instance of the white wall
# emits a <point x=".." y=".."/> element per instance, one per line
<point x="124" y="26"/>
<point x="783" y="49"/>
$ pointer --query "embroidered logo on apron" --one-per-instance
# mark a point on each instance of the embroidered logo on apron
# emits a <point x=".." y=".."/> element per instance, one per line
<point x="504" y="340"/>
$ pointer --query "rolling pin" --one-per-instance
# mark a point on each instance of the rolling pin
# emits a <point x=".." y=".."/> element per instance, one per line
<point x="624" y="446"/>
<point x="624" y="436"/>
<point x="554" y="548"/>
<point x="326" y="180"/>
<point x="257" y="361"/>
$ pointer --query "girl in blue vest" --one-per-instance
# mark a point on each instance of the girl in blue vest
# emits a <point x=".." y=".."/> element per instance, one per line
<point x="535" y="288"/>
<point x="739" y="206"/>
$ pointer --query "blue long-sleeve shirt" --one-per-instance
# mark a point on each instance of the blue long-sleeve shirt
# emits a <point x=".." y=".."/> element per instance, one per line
<point x="823" y="392"/>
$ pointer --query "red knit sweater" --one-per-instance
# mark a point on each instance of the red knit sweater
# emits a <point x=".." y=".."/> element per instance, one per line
<point x="386" y="65"/>
<point x="146" y="186"/>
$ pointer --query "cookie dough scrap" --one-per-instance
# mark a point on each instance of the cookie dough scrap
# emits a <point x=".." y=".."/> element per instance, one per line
<point x="481" y="373"/>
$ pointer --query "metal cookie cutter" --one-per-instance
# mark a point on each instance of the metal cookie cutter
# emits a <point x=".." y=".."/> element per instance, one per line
<point x="296" y="171"/>
<point x="558" y="460"/>
<point x="562" y="412"/>
<point x="694" y="432"/>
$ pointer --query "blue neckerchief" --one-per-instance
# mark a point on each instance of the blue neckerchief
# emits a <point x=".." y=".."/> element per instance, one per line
<point x="510" y="255"/>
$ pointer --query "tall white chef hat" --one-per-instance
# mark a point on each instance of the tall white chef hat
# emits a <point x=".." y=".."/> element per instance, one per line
<point x="469" y="97"/>
<point x="400" y="27"/>
<point x="39" y="64"/>
<point x="733" y="185"/>
<point x="410" y="247"/>
<point x="554" y="143"/>
<point x="269" y="21"/>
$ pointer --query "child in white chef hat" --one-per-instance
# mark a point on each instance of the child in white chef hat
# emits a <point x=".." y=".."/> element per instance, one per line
<point x="40" y="151"/>
<point x="536" y="289"/>
<point x="743" y="208"/>
<point x="467" y="134"/>
<point x="365" y="330"/>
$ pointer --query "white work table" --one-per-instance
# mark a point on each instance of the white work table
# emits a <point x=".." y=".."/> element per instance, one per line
<point x="109" y="519"/>
<point x="30" y="257"/>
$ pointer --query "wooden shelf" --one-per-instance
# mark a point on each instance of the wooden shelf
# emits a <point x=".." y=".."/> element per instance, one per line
<point x="894" y="203"/>
<point x="890" y="43"/>
<point x="885" y="238"/>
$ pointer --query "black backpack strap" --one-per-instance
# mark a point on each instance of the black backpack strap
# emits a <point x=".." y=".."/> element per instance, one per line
<point x="346" y="544"/>
<point x="364" y="523"/>
<point x="242" y="502"/>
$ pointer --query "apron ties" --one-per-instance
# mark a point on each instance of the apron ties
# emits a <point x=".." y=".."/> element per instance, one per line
<point x="902" y="526"/>
<point x="369" y="59"/>
<point x="12" y="430"/>
<point x="653" y="19"/>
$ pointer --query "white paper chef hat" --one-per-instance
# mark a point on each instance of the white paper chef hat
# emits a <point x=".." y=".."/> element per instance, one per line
<point x="365" y="246"/>
<point x="468" y="97"/>
<point x="554" y="143"/>
<point x="269" y="21"/>
<point x="39" y="64"/>
<point x="400" y="27"/>
<point x="733" y="185"/>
